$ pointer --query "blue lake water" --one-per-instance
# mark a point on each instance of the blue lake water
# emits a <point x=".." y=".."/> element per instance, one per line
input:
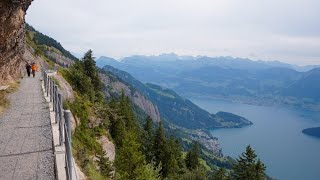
<point x="276" y="137"/>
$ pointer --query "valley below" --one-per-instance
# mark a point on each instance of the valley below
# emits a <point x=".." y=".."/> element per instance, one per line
<point x="276" y="135"/>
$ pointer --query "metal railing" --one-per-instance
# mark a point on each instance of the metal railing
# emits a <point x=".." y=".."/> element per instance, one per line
<point x="62" y="118"/>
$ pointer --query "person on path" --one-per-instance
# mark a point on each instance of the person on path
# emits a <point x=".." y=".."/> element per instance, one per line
<point x="28" y="68"/>
<point x="34" y="68"/>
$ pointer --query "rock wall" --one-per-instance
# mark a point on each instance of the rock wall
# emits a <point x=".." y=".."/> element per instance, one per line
<point x="59" y="58"/>
<point x="138" y="99"/>
<point x="12" y="43"/>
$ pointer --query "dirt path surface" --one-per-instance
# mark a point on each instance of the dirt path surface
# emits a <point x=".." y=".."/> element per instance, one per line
<point x="26" y="150"/>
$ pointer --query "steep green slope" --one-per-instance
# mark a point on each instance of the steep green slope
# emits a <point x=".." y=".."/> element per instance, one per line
<point x="41" y="39"/>
<point x="176" y="109"/>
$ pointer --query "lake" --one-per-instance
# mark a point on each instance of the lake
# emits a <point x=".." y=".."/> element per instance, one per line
<point x="276" y="136"/>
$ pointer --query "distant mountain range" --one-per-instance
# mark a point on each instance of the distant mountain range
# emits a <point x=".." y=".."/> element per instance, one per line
<point x="198" y="61"/>
<point x="177" y="110"/>
<point x="259" y="82"/>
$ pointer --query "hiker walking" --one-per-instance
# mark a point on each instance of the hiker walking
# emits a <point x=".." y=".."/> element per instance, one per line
<point x="34" y="68"/>
<point x="28" y="68"/>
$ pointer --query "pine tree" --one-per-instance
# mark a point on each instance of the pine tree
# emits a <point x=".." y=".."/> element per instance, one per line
<point x="105" y="166"/>
<point x="148" y="126"/>
<point x="260" y="169"/>
<point x="90" y="70"/>
<point x="117" y="130"/>
<point x="147" y="140"/>
<point x="220" y="175"/>
<point x="129" y="160"/>
<point x="200" y="173"/>
<point x="174" y="156"/>
<point x="248" y="167"/>
<point x="192" y="157"/>
<point x="159" y="149"/>
<point x="125" y="110"/>
<point x="151" y="172"/>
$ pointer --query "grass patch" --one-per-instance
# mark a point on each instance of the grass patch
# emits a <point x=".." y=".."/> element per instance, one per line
<point x="4" y="102"/>
<point x="204" y="163"/>
<point x="50" y="63"/>
<point x="56" y="81"/>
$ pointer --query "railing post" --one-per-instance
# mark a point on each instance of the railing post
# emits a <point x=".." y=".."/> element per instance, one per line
<point x="55" y="105"/>
<point x="45" y="81"/>
<point x="47" y="85"/>
<point x="60" y="100"/>
<point x="51" y="90"/>
<point x="54" y="95"/>
<point x="67" y="116"/>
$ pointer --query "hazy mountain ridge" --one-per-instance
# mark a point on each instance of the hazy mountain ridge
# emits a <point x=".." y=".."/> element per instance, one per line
<point x="199" y="61"/>
<point x="176" y="109"/>
<point x="306" y="87"/>
<point x="256" y="82"/>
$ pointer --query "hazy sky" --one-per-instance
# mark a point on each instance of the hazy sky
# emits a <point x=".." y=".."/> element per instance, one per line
<point x="285" y="30"/>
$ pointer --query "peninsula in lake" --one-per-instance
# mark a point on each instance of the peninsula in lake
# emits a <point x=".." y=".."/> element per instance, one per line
<point x="315" y="131"/>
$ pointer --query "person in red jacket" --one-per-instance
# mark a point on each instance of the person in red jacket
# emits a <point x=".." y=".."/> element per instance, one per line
<point x="34" y="69"/>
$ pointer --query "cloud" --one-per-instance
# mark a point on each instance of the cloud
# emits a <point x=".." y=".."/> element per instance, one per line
<point x="286" y="30"/>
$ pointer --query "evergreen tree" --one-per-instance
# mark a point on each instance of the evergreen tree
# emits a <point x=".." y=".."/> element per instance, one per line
<point x="105" y="166"/>
<point x="148" y="126"/>
<point x="151" y="172"/>
<point x="220" y="175"/>
<point x="125" y="110"/>
<point x="175" y="163"/>
<point x="90" y="70"/>
<point x="200" y="173"/>
<point x="260" y="169"/>
<point x="248" y="167"/>
<point x="192" y="157"/>
<point x="159" y="149"/>
<point x="80" y="81"/>
<point x="117" y="130"/>
<point x="147" y="140"/>
<point x="129" y="160"/>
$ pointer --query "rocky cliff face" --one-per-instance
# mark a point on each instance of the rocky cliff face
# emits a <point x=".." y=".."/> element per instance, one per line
<point x="59" y="58"/>
<point x="12" y="22"/>
<point x="116" y="87"/>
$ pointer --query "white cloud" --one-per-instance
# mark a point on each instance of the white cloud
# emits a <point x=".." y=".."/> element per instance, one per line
<point x="286" y="30"/>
